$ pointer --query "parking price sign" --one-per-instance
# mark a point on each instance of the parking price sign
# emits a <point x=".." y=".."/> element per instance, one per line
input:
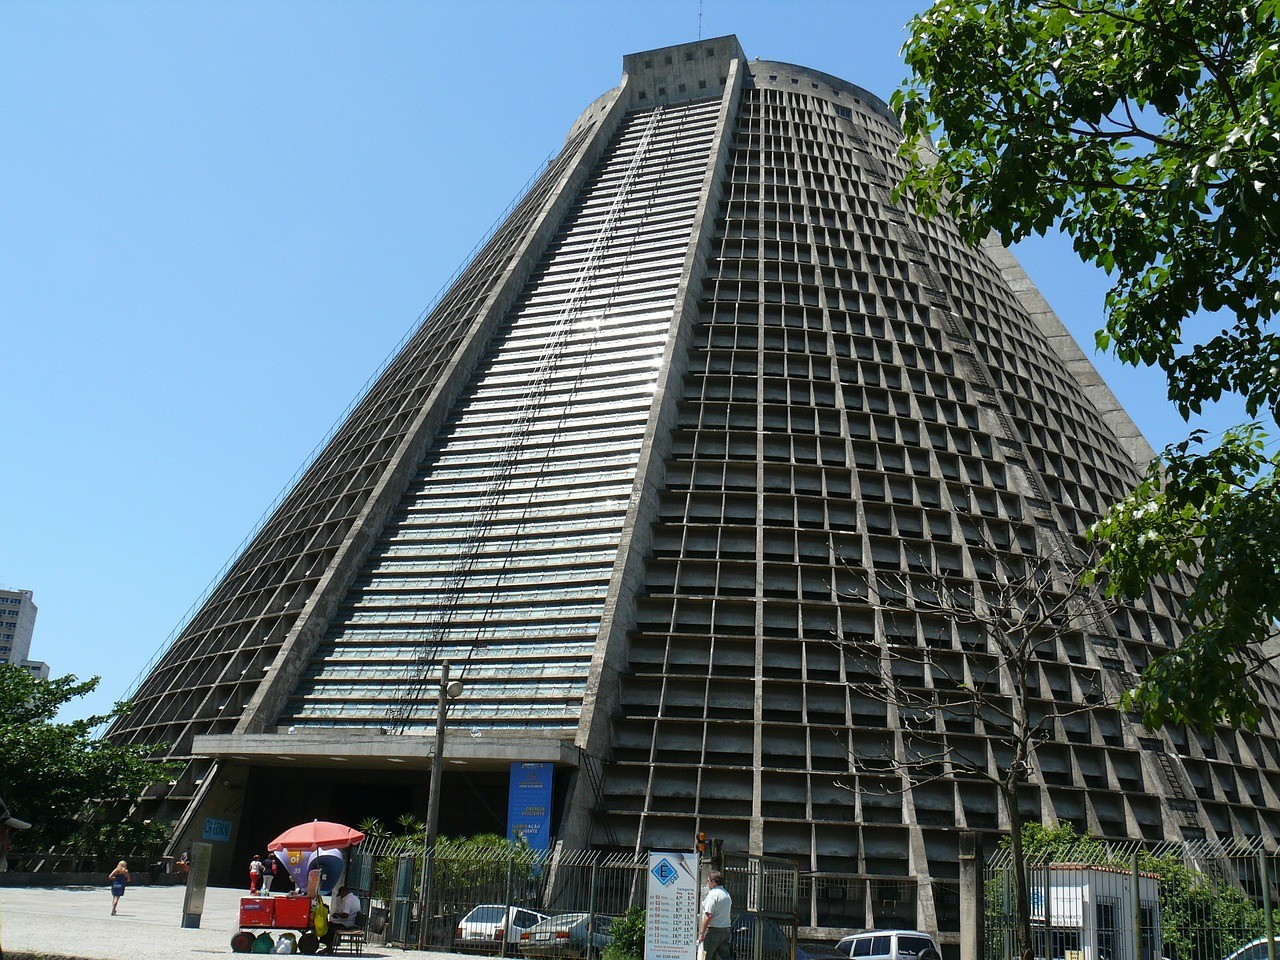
<point x="671" y="920"/>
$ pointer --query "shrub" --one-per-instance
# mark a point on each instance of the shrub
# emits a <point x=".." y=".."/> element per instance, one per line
<point x="628" y="936"/>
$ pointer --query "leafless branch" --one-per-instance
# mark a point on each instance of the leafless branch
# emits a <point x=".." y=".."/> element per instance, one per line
<point x="1020" y="611"/>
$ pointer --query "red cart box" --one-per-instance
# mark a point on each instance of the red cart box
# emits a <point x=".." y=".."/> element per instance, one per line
<point x="293" y="912"/>
<point x="257" y="912"/>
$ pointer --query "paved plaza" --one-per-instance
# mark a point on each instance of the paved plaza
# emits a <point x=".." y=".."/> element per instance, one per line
<point x="59" y="922"/>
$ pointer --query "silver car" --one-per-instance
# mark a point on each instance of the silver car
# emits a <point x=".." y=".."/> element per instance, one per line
<point x="567" y="935"/>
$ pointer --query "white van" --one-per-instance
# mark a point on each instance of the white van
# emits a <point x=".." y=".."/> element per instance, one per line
<point x="889" y="945"/>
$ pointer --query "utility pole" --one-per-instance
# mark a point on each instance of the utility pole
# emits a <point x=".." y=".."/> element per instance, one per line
<point x="430" y="831"/>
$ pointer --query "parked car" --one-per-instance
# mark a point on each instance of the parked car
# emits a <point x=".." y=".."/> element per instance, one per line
<point x="889" y="945"/>
<point x="1257" y="950"/>
<point x="774" y="942"/>
<point x="567" y="935"/>
<point x="492" y="922"/>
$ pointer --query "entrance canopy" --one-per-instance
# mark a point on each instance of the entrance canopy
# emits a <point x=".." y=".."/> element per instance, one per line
<point x="492" y="750"/>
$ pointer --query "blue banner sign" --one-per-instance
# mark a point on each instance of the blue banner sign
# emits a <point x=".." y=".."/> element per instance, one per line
<point x="529" y="804"/>
<point x="218" y="831"/>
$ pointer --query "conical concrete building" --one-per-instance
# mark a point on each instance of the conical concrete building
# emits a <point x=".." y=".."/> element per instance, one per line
<point x="702" y="417"/>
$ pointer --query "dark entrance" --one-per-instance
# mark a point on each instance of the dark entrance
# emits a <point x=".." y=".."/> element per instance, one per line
<point x="276" y="798"/>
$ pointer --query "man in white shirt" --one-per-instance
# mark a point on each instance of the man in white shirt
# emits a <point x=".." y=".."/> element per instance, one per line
<point x="715" y="932"/>
<point x="343" y="910"/>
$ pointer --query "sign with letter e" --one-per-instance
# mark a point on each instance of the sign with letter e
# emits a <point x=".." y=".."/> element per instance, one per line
<point x="671" y="917"/>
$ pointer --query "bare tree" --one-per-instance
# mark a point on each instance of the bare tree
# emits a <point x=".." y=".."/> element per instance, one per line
<point x="1014" y="621"/>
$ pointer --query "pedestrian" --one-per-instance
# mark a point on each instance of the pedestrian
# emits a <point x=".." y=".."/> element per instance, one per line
<point x="715" y="933"/>
<point x="184" y="864"/>
<point x="255" y="873"/>
<point x="268" y="873"/>
<point x="281" y="879"/>
<point x="119" y="878"/>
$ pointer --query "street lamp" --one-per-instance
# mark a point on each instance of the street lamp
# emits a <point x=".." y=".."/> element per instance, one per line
<point x="448" y="690"/>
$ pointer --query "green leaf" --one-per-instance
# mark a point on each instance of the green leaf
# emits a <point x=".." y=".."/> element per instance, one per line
<point x="1107" y="122"/>
<point x="57" y="776"/>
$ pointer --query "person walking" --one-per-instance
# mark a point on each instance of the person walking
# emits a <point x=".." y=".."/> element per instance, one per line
<point x="268" y="873"/>
<point x="715" y="931"/>
<point x="119" y="878"/>
<point x="281" y="880"/>
<point x="255" y="874"/>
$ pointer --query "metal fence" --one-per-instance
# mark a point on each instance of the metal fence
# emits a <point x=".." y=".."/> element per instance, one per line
<point x="417" y="903"/>
<point x="765" y="893"/>
<point x="453" y="882"/>
<point x="1196" y="901"/>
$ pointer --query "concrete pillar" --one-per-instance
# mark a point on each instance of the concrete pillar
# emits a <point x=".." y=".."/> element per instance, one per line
<point x="973" y="907"/>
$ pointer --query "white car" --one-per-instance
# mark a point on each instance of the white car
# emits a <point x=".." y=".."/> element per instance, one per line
<point x="492" y="923"/>
<point x="888" y="945"/>
<point x="1257" y="950"/>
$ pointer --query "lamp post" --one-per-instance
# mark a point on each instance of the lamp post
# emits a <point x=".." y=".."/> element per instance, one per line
<point x="448" y="689"/>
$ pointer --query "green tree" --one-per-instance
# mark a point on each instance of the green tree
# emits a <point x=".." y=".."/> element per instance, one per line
<point x="1059" y="843"/>
<point x="627" y="936"/>
<point x="1147" y="131"/>
<point x="57" y="776"/>
<point x="462" y="866"/>
<point x="1202" y="917"/>
<point x="390" y="846"/>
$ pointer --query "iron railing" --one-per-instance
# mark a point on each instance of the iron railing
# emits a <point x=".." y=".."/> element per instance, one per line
<point x="422" y="902"/>
<point x="1193" y="901"/>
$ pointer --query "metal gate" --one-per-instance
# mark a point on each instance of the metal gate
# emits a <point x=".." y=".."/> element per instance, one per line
<point x="766" y="893"/>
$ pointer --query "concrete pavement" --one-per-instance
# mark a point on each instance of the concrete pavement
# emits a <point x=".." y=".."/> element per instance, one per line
<point x="67" y="922"/>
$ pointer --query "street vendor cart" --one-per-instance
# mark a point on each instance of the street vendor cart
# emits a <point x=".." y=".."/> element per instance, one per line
<point x="290" y="913"/>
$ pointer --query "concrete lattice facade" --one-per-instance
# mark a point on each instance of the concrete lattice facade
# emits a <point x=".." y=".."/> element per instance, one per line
<point x="695" y="407"/>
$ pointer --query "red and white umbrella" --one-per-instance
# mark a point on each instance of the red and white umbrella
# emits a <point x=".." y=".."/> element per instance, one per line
<point x="316" y="834"/>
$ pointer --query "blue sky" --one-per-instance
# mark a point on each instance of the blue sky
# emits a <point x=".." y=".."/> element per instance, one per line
<point x="216" y="220"/>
